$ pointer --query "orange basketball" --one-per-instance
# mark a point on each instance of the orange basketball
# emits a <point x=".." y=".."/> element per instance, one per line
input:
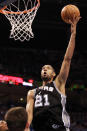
<point x="68" y="12"/>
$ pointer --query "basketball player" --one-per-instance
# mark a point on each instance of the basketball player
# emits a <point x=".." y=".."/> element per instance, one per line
<point x="15" y="120"/>
<point x="46" y="104"/>
<point x="3" y="126"/>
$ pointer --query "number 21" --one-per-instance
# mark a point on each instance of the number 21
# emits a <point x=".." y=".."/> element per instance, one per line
<point x="39" y="102"/>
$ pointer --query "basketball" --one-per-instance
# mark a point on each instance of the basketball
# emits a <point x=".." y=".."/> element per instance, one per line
<point x="68" y="12"/>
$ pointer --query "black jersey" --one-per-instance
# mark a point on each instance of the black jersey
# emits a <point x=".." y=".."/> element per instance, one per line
<point x="49" y="109"/>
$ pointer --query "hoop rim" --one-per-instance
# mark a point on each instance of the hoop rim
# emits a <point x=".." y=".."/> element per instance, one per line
<point x="3" y="11"/>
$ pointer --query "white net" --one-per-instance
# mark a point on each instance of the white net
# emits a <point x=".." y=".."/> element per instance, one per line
<point x="21" y="23"/>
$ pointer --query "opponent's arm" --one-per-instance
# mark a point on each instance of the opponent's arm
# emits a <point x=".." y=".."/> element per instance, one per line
<point x="64" y="71"/>
<point x="29" y="106"/>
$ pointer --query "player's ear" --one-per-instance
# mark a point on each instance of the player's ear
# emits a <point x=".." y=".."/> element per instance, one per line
<point x="54" y="74"/>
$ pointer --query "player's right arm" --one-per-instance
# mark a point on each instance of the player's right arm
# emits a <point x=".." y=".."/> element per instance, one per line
<point x="30" y="105"/>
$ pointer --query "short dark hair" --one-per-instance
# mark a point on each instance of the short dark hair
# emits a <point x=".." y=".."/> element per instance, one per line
<point x="16" y="118"/>
<point x="50" y="66"/>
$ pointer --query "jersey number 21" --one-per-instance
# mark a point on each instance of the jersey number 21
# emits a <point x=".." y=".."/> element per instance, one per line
<point x="42" y="101"/>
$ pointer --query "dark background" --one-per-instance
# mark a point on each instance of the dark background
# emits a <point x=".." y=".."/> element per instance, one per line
<point x="51" y="37"/>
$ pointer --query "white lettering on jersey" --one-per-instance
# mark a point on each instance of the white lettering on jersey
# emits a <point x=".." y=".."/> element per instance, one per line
<point x="47" y="88"/>
<point x="51" y="89"/>
<point x="40" y="103"/>
<point x="46" y="103"/>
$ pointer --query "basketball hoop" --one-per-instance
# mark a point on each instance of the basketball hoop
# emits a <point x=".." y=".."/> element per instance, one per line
<point x="21" y="15"/>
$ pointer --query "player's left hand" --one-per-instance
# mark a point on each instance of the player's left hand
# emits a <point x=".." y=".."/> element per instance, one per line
<point x="74" y="23"/>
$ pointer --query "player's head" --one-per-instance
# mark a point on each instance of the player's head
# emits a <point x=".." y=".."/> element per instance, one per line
<point x="47" y="73"/>
<point x="16" y="118"/>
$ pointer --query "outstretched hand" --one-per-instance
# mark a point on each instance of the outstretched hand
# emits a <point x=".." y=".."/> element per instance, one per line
<point x="74" y="23"/>
<point x="3" y="126"/>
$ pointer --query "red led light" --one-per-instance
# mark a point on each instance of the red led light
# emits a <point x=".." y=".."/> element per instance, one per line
<point x="30" y="81"/>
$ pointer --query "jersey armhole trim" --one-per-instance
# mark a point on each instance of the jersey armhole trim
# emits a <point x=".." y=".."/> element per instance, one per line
<point x="34" y="92"/>
<point x="62" y="95"/>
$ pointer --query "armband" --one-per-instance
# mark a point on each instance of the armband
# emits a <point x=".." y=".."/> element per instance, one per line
<point x="27" y="125"/>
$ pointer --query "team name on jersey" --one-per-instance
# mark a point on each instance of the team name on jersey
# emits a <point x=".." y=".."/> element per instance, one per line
<point x="47" y="88"/>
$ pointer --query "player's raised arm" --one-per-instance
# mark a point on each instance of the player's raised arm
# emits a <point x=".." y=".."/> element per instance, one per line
<point x="64" y="71"/>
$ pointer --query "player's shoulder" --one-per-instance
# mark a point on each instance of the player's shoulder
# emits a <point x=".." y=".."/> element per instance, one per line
<point x="31" y="93"/>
